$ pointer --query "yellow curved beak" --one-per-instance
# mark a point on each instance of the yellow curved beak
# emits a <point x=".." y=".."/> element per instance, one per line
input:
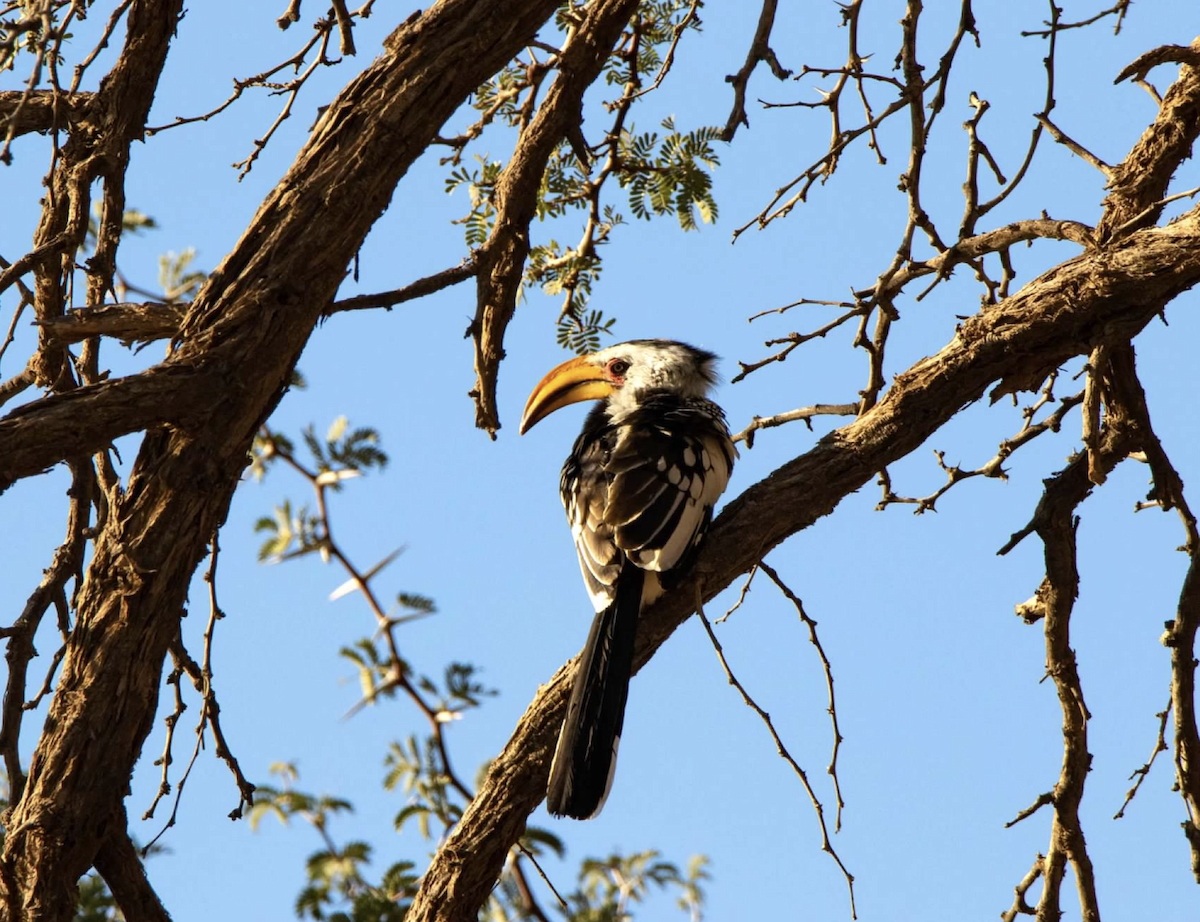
<point x="571" y="382"/>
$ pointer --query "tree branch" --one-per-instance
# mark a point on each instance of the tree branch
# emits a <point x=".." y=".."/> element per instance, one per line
<point x="118" y="863"/>
<point x="147" y="321"/>
<point x="1142" y="178"/>
<point x="760" y="50"/>
<point x="501" y="261"/>
<point x="23" y="112"/>
<point x="128" y="321"/>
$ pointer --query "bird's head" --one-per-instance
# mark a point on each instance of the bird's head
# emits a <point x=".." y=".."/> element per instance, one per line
<point x="620" y="374"/>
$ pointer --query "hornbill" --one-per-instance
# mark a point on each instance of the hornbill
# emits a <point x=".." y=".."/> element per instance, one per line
<point x="638" y="487"/>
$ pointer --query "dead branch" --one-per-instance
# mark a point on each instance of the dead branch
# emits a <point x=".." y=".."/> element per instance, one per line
<point x="804" y="413"/>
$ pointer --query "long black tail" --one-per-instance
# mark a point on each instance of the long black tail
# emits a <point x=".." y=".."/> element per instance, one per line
<point x="586" y="756"/>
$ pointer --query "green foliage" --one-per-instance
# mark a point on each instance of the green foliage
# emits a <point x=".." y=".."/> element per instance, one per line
<point x="481" y="185"/>
<point x="665" y="177"/>
<point x="662" y="176"/>
<point x="28" y="32"/>
<point x="462" y="691"/>
<point x="96" y="902"/>
<point x="175" y="276"/>
<point x="658" y="20"/>
<point x="537" y="840"/>
<point x="416" y="603"/>
<point x="499" y="95"/>
<point x="289" y="534"/>
<point x="376" y="673"/>
<point x="418" y="766"/>
<point x="608" y="886"/>
<point x="582" y="335"/>
<point x="267" y="448"/>
<point x="132" y="222"/>
<point x="345" y="450"/>
<point x="343" y="454"/>
<point x="284" y="802"/>
<point x="335" y="873"/>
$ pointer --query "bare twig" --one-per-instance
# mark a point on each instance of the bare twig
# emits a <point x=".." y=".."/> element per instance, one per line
<point x="794" y="340"/>
<point x="290" y="15"/>
<point x="413" y="290"/>
<point x="342" y="17"/>
<point x="669" y="58"/>
<point x="1053" y="26"/>
<point x="1160" y="745"/>
<point x="65" y="564"/>
<point x="345" y="24"/>
<point x="1041" y="801"/>
<point x="826" y="844"/>
<point x="1074" y="146"/>
<point x="741" y="596"/>
<point x="21" y="381"/>
<point x="760" y="50"/>
<point x="101" y="43"/>
<point x="804" y="413"/>
<point x="992" y="468"/>
<point x="1020" y="904"/>
<point x="1152" y="208"/>
<point x="828" y="669"/>
<point x="1091" y="414"/>
<point x="1055" y="522"/>
<point x="1180" y="636"/>
<point x="201" y="676"/>
<point x="171" y="721"/>
<point x="528" y="900"/>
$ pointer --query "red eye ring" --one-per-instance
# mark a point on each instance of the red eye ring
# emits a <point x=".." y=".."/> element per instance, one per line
<point x="618" y="367"/>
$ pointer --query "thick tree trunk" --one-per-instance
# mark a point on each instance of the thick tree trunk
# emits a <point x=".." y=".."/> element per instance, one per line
<point x="240" y="340"/>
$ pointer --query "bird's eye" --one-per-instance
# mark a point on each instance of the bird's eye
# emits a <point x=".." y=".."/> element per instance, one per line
<point x="618" y="367"/>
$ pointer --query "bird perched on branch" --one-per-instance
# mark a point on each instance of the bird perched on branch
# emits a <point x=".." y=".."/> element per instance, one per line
<point x="639" y="488"/>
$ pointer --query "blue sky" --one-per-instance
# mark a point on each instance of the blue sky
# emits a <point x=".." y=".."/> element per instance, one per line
<point x="949" y="731"/>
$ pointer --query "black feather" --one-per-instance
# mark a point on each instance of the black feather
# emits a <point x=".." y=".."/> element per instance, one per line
<point x="583" y="761"/>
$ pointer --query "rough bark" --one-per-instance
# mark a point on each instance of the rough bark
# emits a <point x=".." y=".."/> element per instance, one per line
<point x="1140" y="181"/>
<point x="23" y="112"/>
<point x="118" y="863"/>
<point x="243" y="334"/>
